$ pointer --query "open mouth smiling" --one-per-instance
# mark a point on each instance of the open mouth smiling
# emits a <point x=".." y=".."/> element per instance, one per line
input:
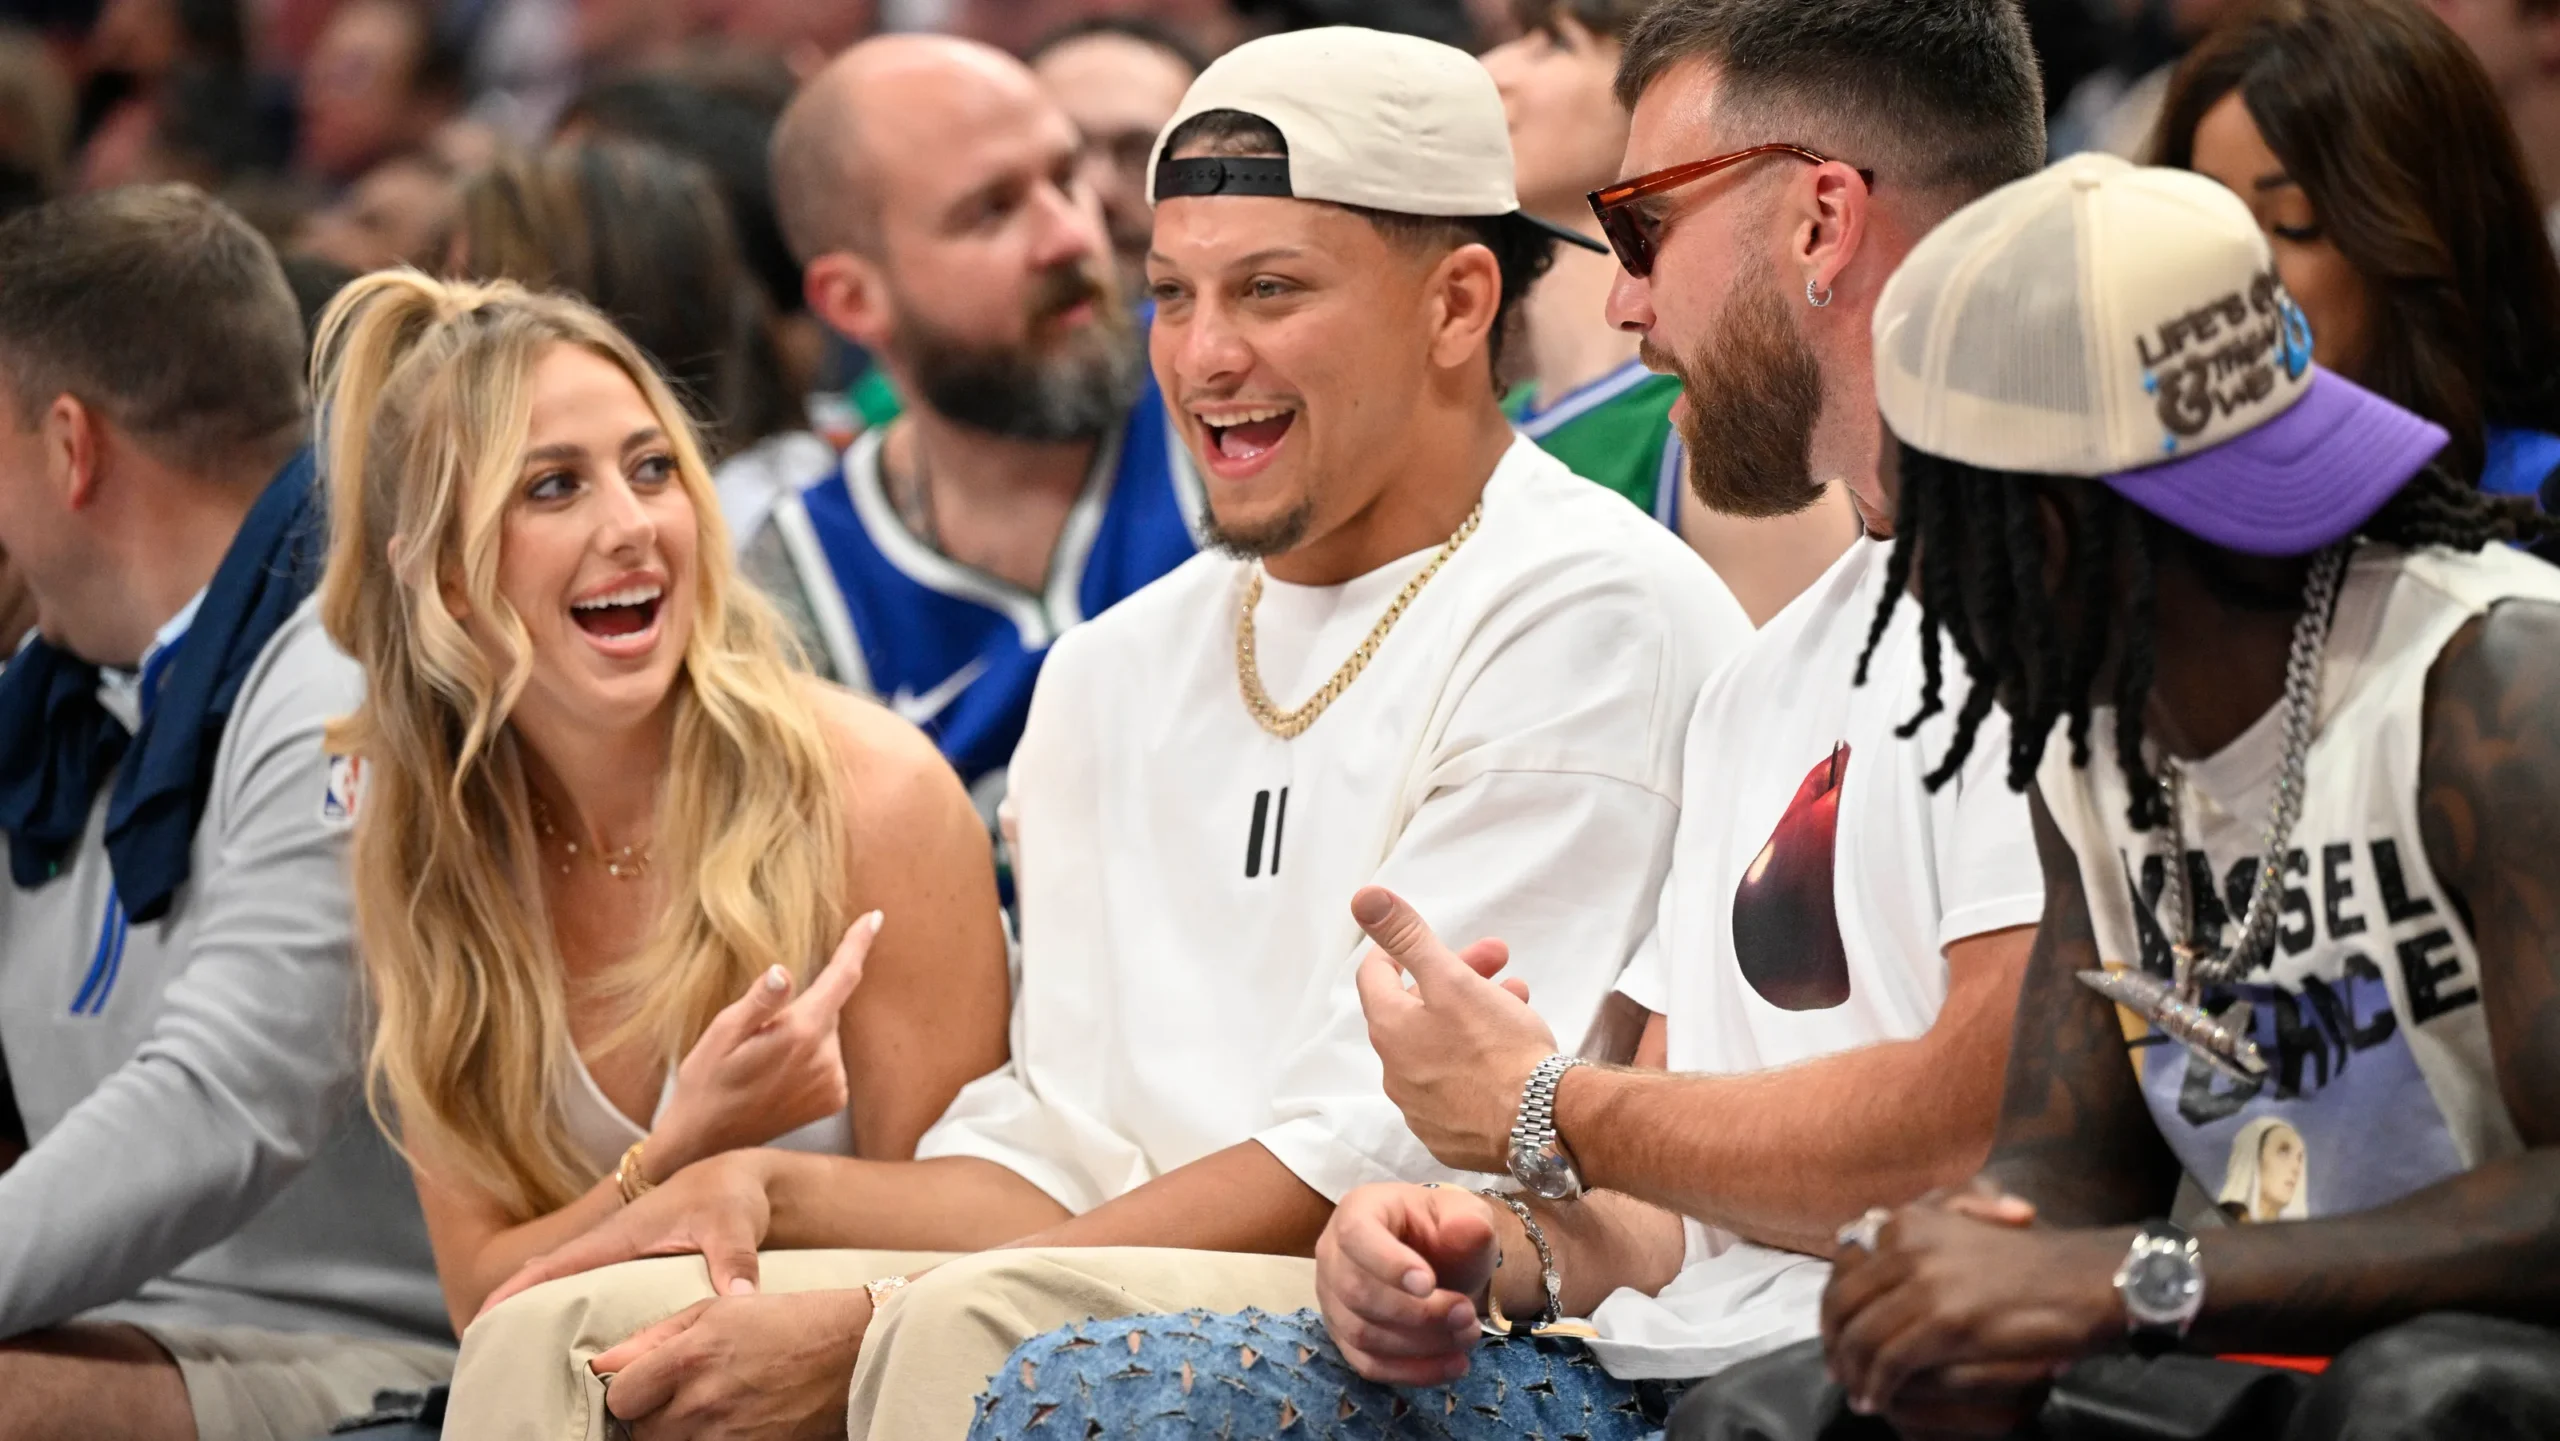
<point x="1248" y="434"/>
<point x="626" y="611"/>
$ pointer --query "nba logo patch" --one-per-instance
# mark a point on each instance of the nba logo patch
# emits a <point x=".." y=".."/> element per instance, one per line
<point x="346" y="777"/>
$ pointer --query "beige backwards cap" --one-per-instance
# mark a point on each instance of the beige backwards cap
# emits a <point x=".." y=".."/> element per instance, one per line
<point x="1372" y="119"/>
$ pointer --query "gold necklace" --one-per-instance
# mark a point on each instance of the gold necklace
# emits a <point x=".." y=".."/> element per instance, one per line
<point x="1289" y="725"/>
<point x="623" y="863"/>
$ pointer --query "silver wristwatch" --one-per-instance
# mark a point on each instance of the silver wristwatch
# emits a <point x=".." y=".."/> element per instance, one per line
<point x="1539" y="1161"/>
<point x="2162" y="1283"/>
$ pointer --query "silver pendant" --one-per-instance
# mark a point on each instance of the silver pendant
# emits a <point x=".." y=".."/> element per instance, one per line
<point x="2222" y="1041"/>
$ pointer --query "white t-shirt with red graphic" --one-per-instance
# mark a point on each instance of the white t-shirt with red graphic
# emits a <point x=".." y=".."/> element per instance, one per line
<point x="1816" y="883"/>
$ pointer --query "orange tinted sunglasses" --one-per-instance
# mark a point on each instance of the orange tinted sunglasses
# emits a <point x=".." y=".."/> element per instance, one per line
<point x="1634" y="234"/>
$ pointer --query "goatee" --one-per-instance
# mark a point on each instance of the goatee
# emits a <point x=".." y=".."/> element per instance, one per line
<point x="1276" y="536"/>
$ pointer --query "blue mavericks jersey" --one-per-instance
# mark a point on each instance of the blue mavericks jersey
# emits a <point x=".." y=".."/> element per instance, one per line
<point x="953" y="649"/>
<point x="2520" y="462"/>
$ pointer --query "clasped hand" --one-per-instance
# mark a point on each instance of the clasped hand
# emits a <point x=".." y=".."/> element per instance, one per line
<point x="1958" y="1321"/>
<point x="741" y="1368"/>
<point x="1458" y="1047"/>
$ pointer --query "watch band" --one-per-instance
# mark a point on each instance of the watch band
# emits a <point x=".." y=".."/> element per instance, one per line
<point x="1533" y="1130"/>
<point x="1498" y="1324"/>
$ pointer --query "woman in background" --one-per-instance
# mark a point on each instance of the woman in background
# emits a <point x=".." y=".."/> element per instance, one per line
<point x="2381" y="163"/>
<point x="645" y="237"/>
<point x="605" y="832"/>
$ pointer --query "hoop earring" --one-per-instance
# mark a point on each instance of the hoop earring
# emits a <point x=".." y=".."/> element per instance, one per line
<point x="1815" y="295"/>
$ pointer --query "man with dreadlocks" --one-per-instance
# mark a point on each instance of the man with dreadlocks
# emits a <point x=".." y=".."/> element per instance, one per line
<point x="2297" y="839"/>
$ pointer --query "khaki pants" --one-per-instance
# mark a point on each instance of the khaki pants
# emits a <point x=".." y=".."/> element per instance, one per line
<point x="927" y="1356"/>
<point x="250" y="1385"/>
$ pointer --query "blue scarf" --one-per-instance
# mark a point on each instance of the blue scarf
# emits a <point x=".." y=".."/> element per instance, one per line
<point x="58" y="744"/>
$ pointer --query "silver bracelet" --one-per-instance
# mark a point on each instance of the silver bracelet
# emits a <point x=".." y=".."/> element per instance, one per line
<point x="1500" y="1325"/>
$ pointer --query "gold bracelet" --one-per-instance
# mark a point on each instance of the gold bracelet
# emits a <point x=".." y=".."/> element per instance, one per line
<point x="628" y="1177"/>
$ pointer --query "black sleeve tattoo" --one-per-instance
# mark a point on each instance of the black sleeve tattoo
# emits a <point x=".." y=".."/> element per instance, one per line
<point x="2487" y="1240"/>
<point x="2489" y="801"/>
<point x="2075" y="1137"/>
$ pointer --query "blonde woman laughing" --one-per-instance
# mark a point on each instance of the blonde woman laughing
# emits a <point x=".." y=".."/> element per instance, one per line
<point x="631" y="890"/>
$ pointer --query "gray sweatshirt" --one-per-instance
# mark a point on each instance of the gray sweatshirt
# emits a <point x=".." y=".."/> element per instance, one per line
<point x="198" y="1151"/>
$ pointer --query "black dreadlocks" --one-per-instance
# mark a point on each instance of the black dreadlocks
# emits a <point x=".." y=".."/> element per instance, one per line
<point x="1979" y="543"/>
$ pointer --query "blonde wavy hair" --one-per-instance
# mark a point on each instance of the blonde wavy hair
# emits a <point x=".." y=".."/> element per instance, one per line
<point x="424" y="400"/>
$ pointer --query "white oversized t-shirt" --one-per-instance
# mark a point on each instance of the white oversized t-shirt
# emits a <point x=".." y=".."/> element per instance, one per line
<point x="1509" y="762"/>
<point x="1815" y="887"/>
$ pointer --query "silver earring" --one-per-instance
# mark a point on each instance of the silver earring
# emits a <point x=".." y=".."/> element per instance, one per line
<point x="1815" y="295"/>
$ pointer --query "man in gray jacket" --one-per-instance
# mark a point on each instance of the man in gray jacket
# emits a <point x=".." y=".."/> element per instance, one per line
<point x="202" y="1234"/>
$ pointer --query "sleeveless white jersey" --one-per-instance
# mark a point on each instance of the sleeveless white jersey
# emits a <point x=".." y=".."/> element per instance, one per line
<point x="2379" y="1078"/>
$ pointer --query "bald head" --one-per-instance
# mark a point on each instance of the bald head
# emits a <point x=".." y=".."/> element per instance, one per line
<point x="881" y="121"/>
<point x="932" y="191"/>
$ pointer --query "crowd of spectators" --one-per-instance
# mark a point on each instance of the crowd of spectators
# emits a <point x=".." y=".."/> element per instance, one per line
<point x="346" y="129"/>
<point x="352" y="132"/>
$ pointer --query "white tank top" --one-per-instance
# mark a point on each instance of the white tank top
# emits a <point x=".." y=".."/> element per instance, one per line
<point x="2380" y="1080"/>
<point x="601" y="1132"/>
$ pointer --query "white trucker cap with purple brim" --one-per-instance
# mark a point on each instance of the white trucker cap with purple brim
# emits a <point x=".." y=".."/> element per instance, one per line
<point x="2127" y="324"/>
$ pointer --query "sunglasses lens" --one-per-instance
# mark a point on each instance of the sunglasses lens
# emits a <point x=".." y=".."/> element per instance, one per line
<point x="1630" y="239"/>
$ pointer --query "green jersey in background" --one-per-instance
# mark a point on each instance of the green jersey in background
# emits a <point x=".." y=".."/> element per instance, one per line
<point x="1615" y="430"/>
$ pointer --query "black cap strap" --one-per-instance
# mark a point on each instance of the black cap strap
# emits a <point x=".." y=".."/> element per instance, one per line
<point x="1223" y="175"/>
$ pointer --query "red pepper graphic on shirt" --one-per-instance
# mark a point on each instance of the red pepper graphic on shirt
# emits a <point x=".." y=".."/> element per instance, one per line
<point x="1786" y="931"/>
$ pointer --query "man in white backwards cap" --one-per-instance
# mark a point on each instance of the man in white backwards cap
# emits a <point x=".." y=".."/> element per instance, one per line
<point x="1420" y="653"/>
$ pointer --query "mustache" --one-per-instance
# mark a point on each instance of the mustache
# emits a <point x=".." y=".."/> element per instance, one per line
<point x="1661" y="361"/>
<point x="1062" y="288"/>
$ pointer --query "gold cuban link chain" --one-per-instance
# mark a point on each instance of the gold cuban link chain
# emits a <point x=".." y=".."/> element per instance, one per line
<point x="1289" y="725"/>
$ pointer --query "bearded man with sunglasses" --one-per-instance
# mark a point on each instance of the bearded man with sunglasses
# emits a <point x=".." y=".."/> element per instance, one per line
<point x="1834" y="968"/>
<point x="1582" y="393"/>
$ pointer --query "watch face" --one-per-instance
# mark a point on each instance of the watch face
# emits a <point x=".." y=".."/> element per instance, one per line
<point x="2162" y="1286"/>
<point x="1545" y="1172"/>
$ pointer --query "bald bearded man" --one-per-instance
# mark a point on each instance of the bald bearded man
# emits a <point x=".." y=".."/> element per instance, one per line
<point x="934" y="195"/>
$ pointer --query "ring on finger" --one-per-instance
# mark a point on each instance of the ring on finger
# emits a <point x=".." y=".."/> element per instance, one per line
<point x="1863" y="1231"/>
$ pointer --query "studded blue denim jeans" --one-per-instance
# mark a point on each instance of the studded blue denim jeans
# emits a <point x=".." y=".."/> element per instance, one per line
<point x="1256" y="1375"/>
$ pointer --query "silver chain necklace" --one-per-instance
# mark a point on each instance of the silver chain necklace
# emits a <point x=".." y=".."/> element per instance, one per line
<point x="914" y="500"/>
<point x="2176" y="1007"/>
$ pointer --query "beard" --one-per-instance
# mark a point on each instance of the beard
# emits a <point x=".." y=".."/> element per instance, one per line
<point x="1755" y="392"/>
<point x="1075" y="388"/>
<point x="1276" y="536"/>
